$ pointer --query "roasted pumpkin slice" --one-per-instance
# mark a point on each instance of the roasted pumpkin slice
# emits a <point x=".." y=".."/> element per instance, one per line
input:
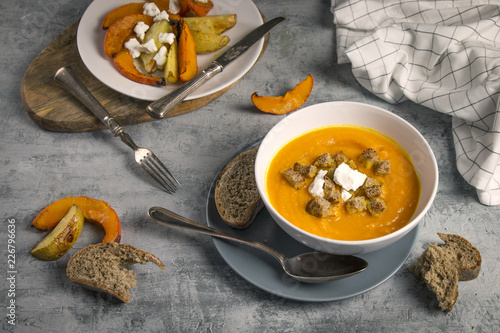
<point x="125" y="65"/>
<point x="120" y="30"/>
<point x="133" y="8"/>
<point x="186" y="53"/>
<point x="291" y="101"/>
<point x="200" y="8"/>
<point x="95" y="211"/>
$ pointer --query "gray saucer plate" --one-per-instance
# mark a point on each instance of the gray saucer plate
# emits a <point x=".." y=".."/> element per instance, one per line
<point x="265" y="272"/>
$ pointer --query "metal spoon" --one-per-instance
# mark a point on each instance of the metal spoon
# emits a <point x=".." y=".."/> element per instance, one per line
<point x="311" y="267"/>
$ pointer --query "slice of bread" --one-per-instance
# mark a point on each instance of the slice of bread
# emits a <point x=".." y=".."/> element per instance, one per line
<point x="236" y="195"/>
<point x="438" y="273"/>
<point x="102" y="267"/>
<point x="465" y="256"/>
<point x="441" y="267"/>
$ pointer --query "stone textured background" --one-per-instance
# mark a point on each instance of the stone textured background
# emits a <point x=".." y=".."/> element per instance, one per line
<point x="198" y="291"/>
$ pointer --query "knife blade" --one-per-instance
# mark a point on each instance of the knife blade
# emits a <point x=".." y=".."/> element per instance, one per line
<point x="160" y="108"/>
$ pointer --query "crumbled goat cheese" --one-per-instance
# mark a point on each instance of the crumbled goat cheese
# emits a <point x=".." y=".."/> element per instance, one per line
<point x="173" y="7"/>
<point x="140" y="30"/>
<point x="150" y="9"/>
<point x="316" y="187"/>
<point x="166" y="37"/>
<point x="345" y="195"/>
<point x="132" y="46"/>
<point x="162" y="16"/>
<point x="148" y="47"/>
<point x="349" y="179"/>
<point x="161" y="56"/>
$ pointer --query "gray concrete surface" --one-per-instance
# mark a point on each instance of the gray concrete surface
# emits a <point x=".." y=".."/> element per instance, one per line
<point x="198" y="291"/>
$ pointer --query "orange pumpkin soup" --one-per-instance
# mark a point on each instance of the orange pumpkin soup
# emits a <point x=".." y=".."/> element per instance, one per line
<point x="400" y="188"/>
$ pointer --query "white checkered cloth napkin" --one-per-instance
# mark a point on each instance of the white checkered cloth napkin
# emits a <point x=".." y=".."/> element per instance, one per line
<point x="444" y="55"/>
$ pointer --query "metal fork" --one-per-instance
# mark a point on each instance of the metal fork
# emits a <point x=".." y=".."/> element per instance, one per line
<point x="144" y="157"/>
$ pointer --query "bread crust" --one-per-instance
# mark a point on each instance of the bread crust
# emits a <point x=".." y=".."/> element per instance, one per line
<point x="469" y="262"/>
<point x="115" y="252"/>
<point x="440" y="267"/>
<point x="230" y="178"/>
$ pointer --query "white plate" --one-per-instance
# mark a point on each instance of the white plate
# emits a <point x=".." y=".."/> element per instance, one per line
<point x="90" y="41"/>
<point x="263" y="271"/>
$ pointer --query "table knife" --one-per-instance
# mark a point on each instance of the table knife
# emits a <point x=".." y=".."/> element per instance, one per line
<point x="160" y="108"/>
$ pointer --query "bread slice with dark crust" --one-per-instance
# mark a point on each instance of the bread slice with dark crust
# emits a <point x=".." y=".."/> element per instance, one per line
<point x="440" y="267"/>
<point x="236" y="195"/>
<point x="466" y="257"/>
<point x="435" y="270"/>
<point x="102" y="267"/>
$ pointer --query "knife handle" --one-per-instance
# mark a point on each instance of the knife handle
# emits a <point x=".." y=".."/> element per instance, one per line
<point x="72" y="83"/>
<point x="164" y="105"/>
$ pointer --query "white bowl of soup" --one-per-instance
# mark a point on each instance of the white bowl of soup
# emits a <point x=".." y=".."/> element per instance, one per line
<point x="346" y="178"/>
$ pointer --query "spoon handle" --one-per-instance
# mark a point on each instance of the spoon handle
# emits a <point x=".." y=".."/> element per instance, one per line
<point x="169" y="218"/>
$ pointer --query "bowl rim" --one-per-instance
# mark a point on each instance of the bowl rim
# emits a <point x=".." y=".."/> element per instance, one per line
<point x="372" y="241"/>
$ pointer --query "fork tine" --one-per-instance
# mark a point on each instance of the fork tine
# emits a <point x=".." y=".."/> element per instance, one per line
<point x="156" y="169"/>
<point x="149" y="169"/>
<point x="165" y="170"/>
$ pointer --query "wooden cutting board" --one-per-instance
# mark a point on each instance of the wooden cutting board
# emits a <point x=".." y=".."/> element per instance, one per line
<point x="55" y="109"/>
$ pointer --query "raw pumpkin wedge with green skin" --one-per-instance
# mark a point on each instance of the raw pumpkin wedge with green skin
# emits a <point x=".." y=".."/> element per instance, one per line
<point x="291" y="101"/>
<point x="94" y="211"/>
<point x="60" y="240"/>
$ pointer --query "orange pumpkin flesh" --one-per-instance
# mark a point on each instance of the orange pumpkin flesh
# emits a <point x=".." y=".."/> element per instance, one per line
<point x="200" y="8"/>
<point x="120" y="30"/>
<point x="292" y="100"/>
<point x="124" y="63"/>
<point x="95" y="211"/>
<point x="184" y="9"/>
<point x="122" y="11"/>
<point x="188" y="61"/>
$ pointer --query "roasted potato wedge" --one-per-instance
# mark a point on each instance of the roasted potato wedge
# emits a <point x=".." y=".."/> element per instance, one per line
<point x="171" y="68"/>
<point x="206" y="43"/>
<point x="211" y="24"/>
<point x="154" y="31"/>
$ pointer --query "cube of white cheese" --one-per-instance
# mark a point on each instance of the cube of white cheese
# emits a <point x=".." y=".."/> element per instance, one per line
<point x="132" y="45"/>
<point x="161" y="56"/>
<point x="162" y="16"/>
<point x="150" y="9"/>
<point x="140" y="30"/>
<point x="166" y="37"/>
<point x="345" y="195"/>
<point x="349" y="179"/>
<point x="148" y="47"/>
<point x="316" y="187"/>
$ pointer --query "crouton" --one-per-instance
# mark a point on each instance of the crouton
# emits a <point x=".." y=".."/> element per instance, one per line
<point x="376" y="206"/>
<point x="340" y="158"/>
<point x="331" y="172"/>
<point x="324" y="161"/>
<point x="383" y="167"/>
<point x="319" y="207"/>
<point x="309" y="171"/>
<point x="329" y="184"/>
<point x="356" y="204"/>
<point x="368" y="157"/>
<point x="295" y="179"/>
<point x="331" y="192"/>
<point x="333" y="196"/>
<point x="352" y="165"/>
<point x="372" y="187"/>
